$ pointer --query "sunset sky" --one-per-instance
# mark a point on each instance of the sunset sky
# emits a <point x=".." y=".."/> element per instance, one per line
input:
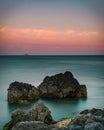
<point x="51" y="27"/>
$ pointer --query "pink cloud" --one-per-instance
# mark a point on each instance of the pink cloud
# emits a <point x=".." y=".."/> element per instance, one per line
<point x="46" y="41"/>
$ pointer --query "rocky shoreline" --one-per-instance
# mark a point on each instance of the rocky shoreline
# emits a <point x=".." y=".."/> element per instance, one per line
<point x="58" y="86"/>
<point x="62" y="85"/>
<point x="39" y="118"/>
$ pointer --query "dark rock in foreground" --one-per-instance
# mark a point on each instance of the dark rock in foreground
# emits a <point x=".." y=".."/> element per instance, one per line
<point x="32" y="125"/>
<point x="88" y="120"/>
<point x="22" y="93"/>
<point x="39" y="113"/>
<point x="61" y="86"/>
<point x="39" y="118"/>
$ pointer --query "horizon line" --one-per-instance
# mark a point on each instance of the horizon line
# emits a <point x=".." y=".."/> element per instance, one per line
<point x="51" y="54"/>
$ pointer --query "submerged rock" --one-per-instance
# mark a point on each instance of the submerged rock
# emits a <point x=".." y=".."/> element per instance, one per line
<point x="61" y="86"/>
<point x="22" y="93"/>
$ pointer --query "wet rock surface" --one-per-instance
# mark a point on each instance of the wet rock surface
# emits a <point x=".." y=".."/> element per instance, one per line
<point x="61" y="86"/>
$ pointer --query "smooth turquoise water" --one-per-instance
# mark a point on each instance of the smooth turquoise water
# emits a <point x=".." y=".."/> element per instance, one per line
<point x="88" y="70"/>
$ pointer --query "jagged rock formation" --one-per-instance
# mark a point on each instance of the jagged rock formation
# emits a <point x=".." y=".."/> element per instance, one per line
<point x="22" y="93"/>
<point x="61" y="86"/>
<point x="57" y="86"/>
<point x="39" y="113"/>
<point x="87" y="120"/>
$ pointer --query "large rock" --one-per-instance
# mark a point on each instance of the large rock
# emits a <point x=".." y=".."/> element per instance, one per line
<point x="57" y="86"/>
<point x="88" y="120"/>
<point x="36" y="119"/>
<point x="22" y="93"/>
<point x="39" y="113"/>
<point x="61" y="86"/>
<point x="32" y="125"/>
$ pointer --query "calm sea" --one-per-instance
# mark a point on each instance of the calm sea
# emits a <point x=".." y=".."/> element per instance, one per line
<point x="88" y="70"/>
